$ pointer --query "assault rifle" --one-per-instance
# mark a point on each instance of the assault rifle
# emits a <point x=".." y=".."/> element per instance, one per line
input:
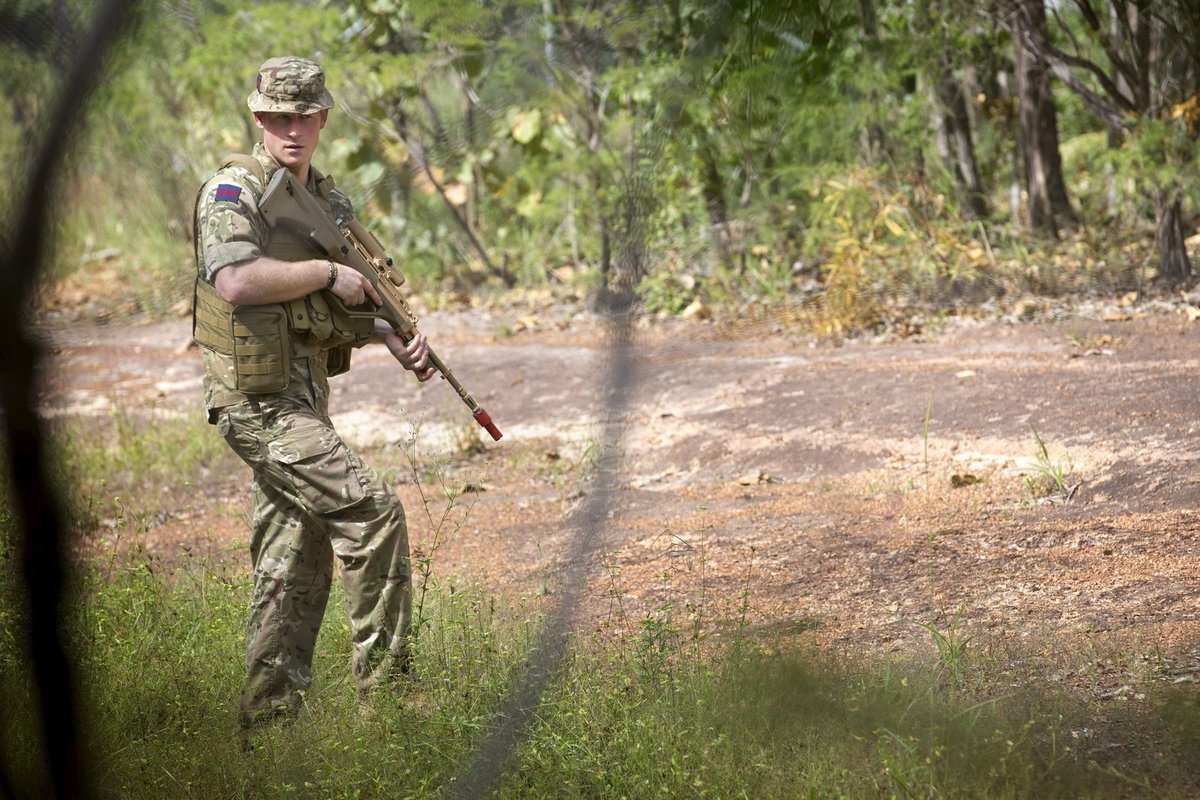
<point x="288" y="205"/>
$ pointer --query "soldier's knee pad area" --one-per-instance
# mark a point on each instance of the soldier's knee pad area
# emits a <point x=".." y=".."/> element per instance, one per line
<point x="376" y="510"/>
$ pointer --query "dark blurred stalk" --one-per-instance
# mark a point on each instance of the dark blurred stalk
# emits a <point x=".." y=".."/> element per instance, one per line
<point x="38" y="515"/>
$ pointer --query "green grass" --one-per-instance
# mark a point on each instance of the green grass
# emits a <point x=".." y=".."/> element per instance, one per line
<point x="159" y="654"/>
<point x="1051" y="478"/>
<point x="666" y="710"/>
<point x="130" y="466"/>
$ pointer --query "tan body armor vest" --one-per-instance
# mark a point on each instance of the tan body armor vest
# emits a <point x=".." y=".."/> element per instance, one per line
<point x="262" y="339"/>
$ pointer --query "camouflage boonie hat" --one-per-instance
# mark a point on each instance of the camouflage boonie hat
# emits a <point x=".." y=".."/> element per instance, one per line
<point x="290" y="85"/>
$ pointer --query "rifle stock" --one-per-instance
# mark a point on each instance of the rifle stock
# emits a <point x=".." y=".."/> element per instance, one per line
<point x="286" y="204"/>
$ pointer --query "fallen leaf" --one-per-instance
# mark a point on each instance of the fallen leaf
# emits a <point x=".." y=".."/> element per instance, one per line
<point x="966" y="479"/>
<point x="697" y="310"/>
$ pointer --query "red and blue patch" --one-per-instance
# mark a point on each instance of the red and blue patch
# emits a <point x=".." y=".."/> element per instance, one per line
<point x="228" y="193"/>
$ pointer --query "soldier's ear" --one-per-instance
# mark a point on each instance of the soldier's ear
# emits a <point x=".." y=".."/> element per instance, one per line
<point x="324" y="117"/>
<point x="258" y="120"/>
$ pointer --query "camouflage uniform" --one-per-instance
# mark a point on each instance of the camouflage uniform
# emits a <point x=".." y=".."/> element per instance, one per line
<point x="313" y="496"/>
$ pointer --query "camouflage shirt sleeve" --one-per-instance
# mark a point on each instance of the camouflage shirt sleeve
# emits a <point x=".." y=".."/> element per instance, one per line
<point x="341" y="208"/>
<point x="230" y="228"/>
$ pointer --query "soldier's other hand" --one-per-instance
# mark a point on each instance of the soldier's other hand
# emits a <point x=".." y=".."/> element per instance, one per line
<point x="413" y="356"/>
<point x="353" y="288"/>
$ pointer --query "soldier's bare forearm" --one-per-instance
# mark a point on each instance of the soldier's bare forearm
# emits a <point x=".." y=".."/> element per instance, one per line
<point x="268" y="280"/>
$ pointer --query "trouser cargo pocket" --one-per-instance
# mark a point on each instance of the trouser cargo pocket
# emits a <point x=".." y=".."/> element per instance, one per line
<point x="297" y="453"/>
<point x="321" y="468"/>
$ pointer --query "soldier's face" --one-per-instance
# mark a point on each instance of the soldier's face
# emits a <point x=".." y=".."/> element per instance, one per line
<point x="291" y="139"/>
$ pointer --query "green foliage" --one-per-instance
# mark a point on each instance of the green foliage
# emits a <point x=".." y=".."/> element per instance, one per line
<point x="667" y="292"/>
<point x="1156" y="158"/>
<point x="685" y="147"/>
<point x="1160" y="152"/>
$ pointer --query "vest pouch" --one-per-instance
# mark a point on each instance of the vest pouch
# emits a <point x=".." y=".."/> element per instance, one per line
<point x="262" y="352"/>
<point x="311" y="319"/>
<point x="210" y="319"/>
<point x="320" y="322"/>
<point x="337" y="360"/>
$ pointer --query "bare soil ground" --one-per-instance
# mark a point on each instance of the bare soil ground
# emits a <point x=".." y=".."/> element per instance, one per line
<point x="838" y="496"/>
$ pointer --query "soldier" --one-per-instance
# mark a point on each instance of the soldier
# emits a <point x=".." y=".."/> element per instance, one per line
<point x="263" y="322"/>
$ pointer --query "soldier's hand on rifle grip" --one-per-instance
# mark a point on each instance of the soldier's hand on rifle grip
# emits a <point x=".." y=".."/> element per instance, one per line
<point x="353" y="288"/>
<point x="413" y="356"/>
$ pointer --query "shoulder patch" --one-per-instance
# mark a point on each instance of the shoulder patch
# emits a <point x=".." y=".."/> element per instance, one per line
<point x="228" y="193"/>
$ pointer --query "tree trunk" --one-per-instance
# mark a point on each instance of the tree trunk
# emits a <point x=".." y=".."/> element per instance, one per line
<point x="713" y="190"/>
<point x="1046" y="192"/>
<point x="548" y="32"/>
<point x="876" y="140"/>
<point x="1112" y="195"/>
<point x="955" y="123"/>
<point x="469" y="131"/>
<point x="1174" y="265"/>
<point x="1137" y="16"/>
<point x="676" y="29"/>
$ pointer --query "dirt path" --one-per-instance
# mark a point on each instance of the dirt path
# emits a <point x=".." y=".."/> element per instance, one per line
<point x="835" y="495"/>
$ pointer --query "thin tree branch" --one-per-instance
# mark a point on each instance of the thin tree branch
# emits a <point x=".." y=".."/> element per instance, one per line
<point x="418" y="151"/>
<point x="1099" y="105"/>
<point x="1134" y="66"/>
<point x="1111" y="107"/>
<point x="1088" y="13"/>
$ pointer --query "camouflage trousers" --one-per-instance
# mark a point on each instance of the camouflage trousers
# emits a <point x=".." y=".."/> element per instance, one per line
<point x="314" y="498"/>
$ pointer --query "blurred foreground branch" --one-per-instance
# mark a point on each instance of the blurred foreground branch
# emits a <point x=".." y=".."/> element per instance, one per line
<point x="23" y="249"/>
